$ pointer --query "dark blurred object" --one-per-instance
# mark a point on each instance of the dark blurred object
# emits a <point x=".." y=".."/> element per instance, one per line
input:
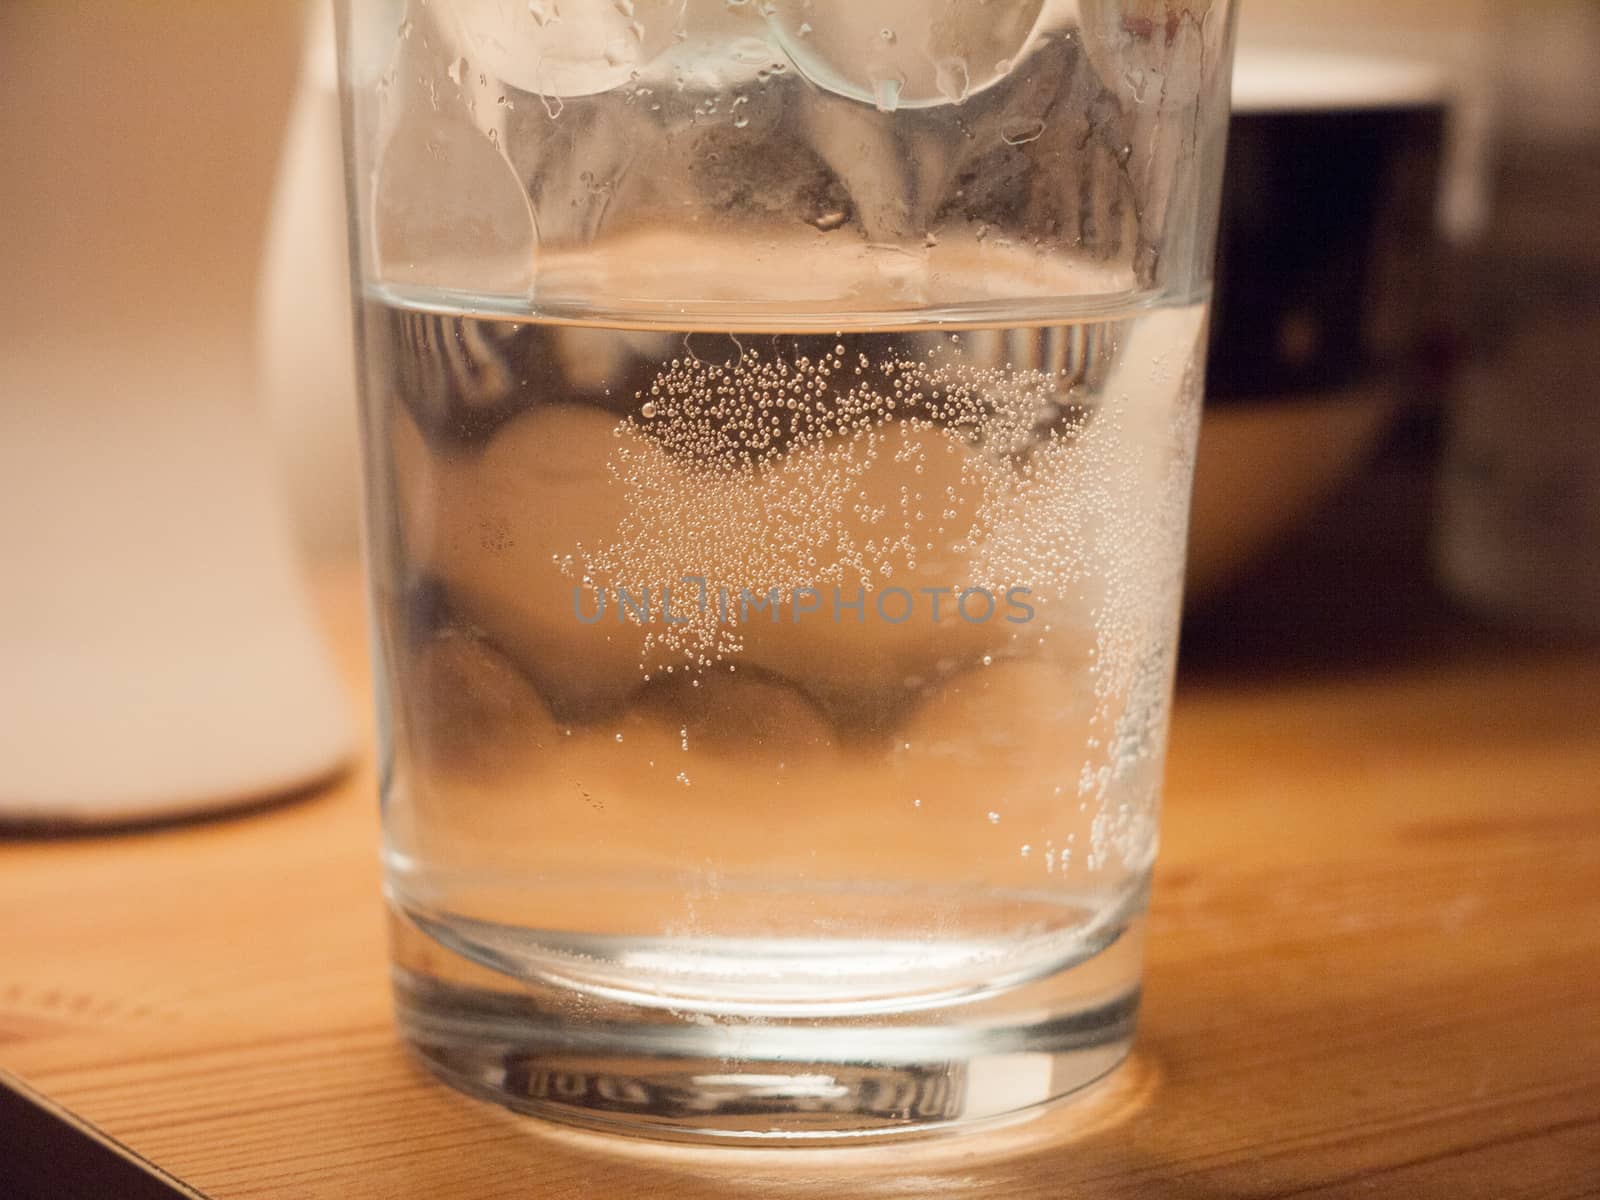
<point x="1519" y="528"/>
<point x="50" y="1154"/>
<point x="1348" y="591"/>
<point x="1327" y="249"/>
<point x="1326" y="243"/>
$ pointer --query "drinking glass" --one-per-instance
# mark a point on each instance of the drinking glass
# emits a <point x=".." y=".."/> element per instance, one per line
<point x="779" y="418"/>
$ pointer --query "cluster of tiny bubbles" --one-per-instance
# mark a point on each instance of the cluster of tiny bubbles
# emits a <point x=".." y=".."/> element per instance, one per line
<point x="1133" y="652"/>
<point x="1141" y="730"/>
<point x="818" y="464"/>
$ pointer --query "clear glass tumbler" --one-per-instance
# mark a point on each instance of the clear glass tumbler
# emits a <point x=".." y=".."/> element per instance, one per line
<point x="779" y="420"/>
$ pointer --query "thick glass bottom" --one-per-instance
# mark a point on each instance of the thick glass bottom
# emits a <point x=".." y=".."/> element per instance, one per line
<point x="557" y="1045"/>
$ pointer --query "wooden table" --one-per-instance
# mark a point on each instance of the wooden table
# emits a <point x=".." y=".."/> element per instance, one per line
<point x="1374" y="968"/>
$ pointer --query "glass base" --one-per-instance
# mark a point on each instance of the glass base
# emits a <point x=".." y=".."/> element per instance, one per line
<point x="593" y="1057"/>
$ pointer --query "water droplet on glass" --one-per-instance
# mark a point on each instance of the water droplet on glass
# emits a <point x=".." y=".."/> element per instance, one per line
<point x="994" y="817"/>
<point x="1020" y="133"/>
<point x="648" y="410"/>
<point x="886" y="94"/>
<point x="951" y="78"/>
<point x="457" y="71"/>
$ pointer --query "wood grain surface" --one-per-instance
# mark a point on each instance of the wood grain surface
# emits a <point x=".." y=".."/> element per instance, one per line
<point x="1374" y="967"/>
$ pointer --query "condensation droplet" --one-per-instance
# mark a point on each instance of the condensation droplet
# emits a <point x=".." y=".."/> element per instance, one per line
<point x="951" y="78"/>
<point x="1020" y="133"/>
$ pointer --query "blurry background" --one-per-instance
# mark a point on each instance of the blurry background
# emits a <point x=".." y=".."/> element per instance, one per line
<point x="1479" y="508"/>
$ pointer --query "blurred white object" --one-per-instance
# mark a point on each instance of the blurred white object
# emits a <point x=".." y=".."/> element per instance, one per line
<point x="1316" y="81"/>
<point x="159" y="654"/>
<point x="305" y="344"/>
